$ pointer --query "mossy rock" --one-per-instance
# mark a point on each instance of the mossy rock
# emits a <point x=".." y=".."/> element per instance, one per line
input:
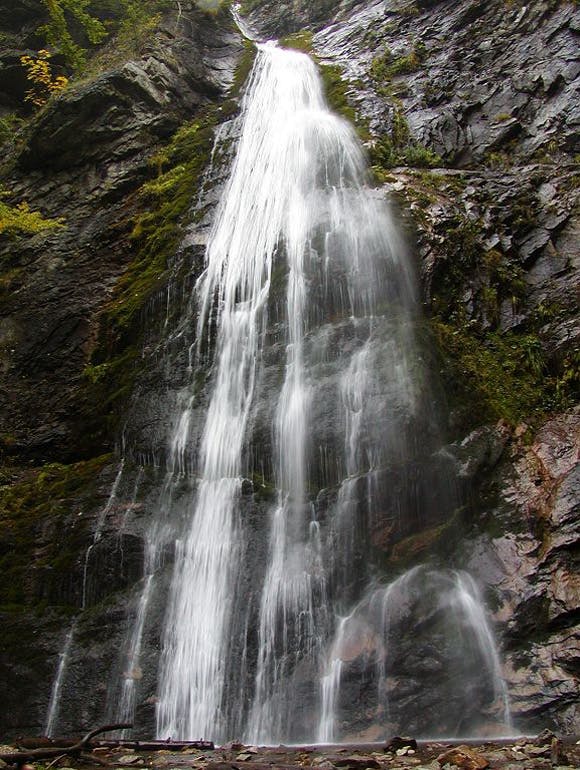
<point x="37" y="533"/>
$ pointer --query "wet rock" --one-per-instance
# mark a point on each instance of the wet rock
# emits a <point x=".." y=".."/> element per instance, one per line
<point x="400" y="743"/>
<point x="355" y="761"/>
<point x="480" y="451"/>
<point x="463" y="757"/>
<point x="95" y="140"/>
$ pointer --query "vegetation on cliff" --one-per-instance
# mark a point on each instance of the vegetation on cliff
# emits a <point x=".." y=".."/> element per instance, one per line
<point x="19" y="218"/>
<point x="42" y="531"/>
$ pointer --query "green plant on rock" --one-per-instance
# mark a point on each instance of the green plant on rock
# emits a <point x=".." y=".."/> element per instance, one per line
<point x="386" y="66"/>
<point x="243" y="69"/>
<point x="418" y="156"/>
<point x="335" y="90"/>
<point x="406" y="8"/>
<point x="57" y="30"/>
<point x="20" y="220"/>
<point x="568" y="380"/>
<point x="157" y="231"/>
<point x="505" y="371"/>
<point x="9" y="126"/>
<point x="398" y="149"/>
<point x="299" y="41"/>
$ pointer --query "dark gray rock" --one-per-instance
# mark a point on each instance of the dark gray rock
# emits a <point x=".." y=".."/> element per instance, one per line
<point x="494" y="78"/>
<point x="84" y="158"/>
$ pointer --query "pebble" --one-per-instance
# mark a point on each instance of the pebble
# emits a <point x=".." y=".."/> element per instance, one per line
<point x="517" y="755"/>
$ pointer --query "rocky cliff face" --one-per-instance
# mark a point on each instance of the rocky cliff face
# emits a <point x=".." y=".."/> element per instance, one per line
<point x="71" y="322"/>
<point x="470" y="113"/>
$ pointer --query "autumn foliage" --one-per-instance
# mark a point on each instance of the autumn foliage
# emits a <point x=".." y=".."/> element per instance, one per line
<point x="40" y="76"/>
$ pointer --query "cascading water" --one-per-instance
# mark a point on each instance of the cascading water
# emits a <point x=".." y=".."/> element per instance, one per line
<point x="54" y="703"/>
<point x="442" y="608"/>
<point x="308" y="302"/>
<point x="304" y="446"/>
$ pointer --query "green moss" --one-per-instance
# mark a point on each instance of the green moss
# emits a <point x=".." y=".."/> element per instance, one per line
<point x="264" y="490"/>
<point x="386" y="66"/>
<point x="490" y="274"/>
<point x="33" y="510"/>
<point x="397" y="148"/>
<point x="406" y="8"/>
<point x="243" y="68"/>
<point x="386" y="154"/>
<point x="20" y="220"/>
<point x="335" y="89"/>
<point x="504" y="375"/>
<point x="418" y="156"/>
<point x="9" y="126"/>
<point x="158" y="230"/>
<point x="300" y="41"/>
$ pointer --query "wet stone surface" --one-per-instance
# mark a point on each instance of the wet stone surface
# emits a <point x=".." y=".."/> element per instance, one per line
<point x="540" y="753"/>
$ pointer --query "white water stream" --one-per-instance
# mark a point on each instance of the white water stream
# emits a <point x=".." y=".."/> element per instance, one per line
<point x="55" y="695"/>
<point x="314" y="396"/>
<point x="296" y="205"/>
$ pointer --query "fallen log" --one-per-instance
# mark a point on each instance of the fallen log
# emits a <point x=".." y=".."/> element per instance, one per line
<point x="157" y="745"/>
<point x="33" y="755"/>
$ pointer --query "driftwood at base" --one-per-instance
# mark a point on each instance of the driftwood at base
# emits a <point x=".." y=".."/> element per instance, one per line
<point x="158" y="745"/>
<point x="77" y="749"/>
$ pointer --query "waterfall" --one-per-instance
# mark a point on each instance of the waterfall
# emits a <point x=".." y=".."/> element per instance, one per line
<point x="442" y="608"/>
<point x="55" y="695"/>
<point x="65" y="654"/>
<point x="305" y="438"/>
<point x="101" y="519"/>
<point x="132" y="672"/>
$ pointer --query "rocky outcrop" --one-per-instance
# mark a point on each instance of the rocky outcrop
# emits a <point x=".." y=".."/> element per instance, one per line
<point x="491" y="88"/>
<point x="84" y="158"/>
<point x="527" y="552"/>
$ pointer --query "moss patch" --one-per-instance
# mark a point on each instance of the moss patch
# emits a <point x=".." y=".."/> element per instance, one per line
<point x="386" y="66"/>
<point x="20" y="220"/>
<point x="336" y="94"/>
<point x="158" y="230"/>
<point x="502" y="375"/>
<point x="397" y="148"/>
<point x="244" y="67"/>
<point x="299" y="41"/>
<point x="34" y="534"/>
